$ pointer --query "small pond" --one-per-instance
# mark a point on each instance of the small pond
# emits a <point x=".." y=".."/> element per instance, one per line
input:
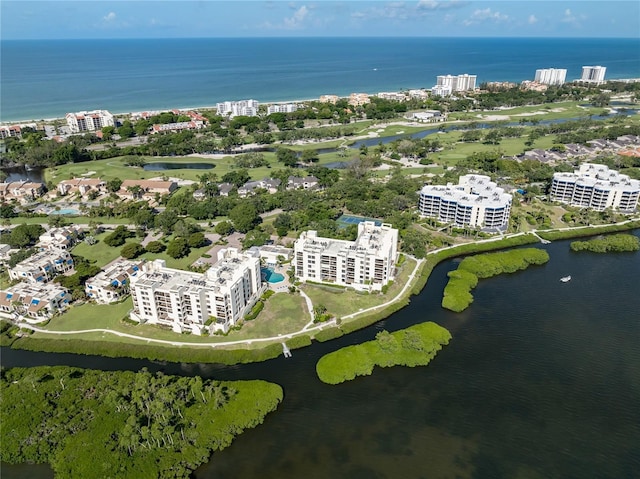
<point x="161" y="166"/>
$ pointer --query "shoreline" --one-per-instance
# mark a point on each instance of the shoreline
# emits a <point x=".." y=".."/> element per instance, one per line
<point x="213" y="107"/>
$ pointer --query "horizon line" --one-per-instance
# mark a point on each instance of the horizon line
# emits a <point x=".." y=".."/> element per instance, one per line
<point x="330" y="37"/>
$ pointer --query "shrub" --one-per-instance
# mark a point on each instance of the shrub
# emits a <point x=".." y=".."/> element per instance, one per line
<point x="328" y="334"/>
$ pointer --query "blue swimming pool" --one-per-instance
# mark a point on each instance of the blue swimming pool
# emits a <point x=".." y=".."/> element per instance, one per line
<point x="65" y="211"/>
<point x="271" y="276"/>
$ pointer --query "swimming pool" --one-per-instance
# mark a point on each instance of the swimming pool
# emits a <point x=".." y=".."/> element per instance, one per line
<point x="271" y="276"/>
<point x="65" y="211"/>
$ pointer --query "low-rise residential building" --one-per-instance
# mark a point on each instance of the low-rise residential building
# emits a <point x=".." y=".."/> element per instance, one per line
<point x="359" y="99"/>
<point x="112" y="284"/>
<point x="238" y="108"/>
<point x="282" y="108"/>
<point x="329" y="99"/>
<point x="533" y="86"/>
<point x="22" y="191"/>
<point x="368" y="263"/>
<point x="225" y="188"/>
<point x="14" y="131"/>
<point x="302" y="183"/>
<point x="61" y="238"/>
<point x="269" y="184"/>
<point x="427" y="116"/>
<point x="418" y="94"/>
<point x="441" y="90"/>
<point x="189" y="301"/>
<point x="33" y="301"/>
<point x="145" y="189"/>
<point x="42" y="266"/>
<point x="89" y="120"/>
<point x="81" y="185"/>
<point x="176" y="127"/>
<point x="598" y="187"/>
<point x="475" y="201"/>
<point x="392" y="95"/>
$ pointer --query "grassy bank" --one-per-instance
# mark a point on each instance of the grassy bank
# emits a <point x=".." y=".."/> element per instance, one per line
<point x="587" y="231"/>
<point x="457" y="293"/>
<point x="414" y="346"/>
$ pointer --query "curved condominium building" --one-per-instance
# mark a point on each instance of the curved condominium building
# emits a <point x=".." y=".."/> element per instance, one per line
<point x="474" y="201"/>
<point x="597" y="187"/>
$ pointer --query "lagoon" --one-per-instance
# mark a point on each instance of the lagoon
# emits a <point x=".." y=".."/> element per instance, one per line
<point x="541" y="379"/>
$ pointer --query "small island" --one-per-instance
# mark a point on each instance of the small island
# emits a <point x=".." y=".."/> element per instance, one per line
<point x="123" y="424"/>
<point x="457" y="293"/>
<point x="414" y="346"/>
<point x="608" y="244"/>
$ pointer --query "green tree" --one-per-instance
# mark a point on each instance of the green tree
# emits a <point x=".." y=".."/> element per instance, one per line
<point x="197" y="240"/>
<point x="178" y="248"/>
<point x="126" y="130"/>
<point x="132" y="250"/>
<point x="114" y="185"/>
<point x="244" y="217"/>
<point x="155" y="247"/>
<point x="107" y="132"/>
<point x="287" y="156"/>
<point x="224" y="228"/>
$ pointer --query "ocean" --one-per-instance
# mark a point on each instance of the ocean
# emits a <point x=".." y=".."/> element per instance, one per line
<point x="46" y="79"/>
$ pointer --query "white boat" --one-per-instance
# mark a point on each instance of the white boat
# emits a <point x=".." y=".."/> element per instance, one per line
<point x="565" y="279"/>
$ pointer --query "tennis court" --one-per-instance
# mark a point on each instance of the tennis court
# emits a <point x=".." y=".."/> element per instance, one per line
<point x="347" y="220"/>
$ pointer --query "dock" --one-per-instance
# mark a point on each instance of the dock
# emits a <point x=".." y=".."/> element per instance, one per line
<point x="542" y="240"/>
<point x="285" y="350"/>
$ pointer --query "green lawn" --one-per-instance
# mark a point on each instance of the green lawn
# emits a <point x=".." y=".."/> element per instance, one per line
<point x="283" y="313"/>
<point x="92" y="316"/>
<point x="100" y="252"/>
<point x="341" y="302"/>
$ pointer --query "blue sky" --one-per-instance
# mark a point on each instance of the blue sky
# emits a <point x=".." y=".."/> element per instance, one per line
<point x="55" y="19"/>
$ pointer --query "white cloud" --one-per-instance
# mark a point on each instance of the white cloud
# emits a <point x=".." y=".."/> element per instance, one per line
<point x="297" y="19"/>
<point x="571" y="18"/>
<point x="532" y="19"/>
<point x="109" y="17"/>
<point x="485" y="15"/>
<point x="441" y="4"/>
<point x="295" y="22"/>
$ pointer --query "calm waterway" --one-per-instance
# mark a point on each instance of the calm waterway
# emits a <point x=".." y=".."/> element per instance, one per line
<point x="541" y="379"/>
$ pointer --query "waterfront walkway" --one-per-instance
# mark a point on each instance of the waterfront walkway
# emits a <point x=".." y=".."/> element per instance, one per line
<point x="310" y="327"/>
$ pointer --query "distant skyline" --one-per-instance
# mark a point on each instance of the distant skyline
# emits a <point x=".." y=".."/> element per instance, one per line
<point x="55" y="19"/>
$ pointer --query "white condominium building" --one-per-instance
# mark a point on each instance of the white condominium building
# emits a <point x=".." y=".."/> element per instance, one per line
<point x="282" y="108"/>
<point x="112" y="283"/>
<point x="43" y="266"/>
<point x="551" y="76"/>
<point x="89" y="120"/>
<point x="441" y="90"/>
<point x="34" y="301"/>
<point x="593" y="74"/>
<point x="368" y="263"/>
<point x="238" y="108"/>
<point x="188" y="301"/>
<point x="597" y="187"/>
<point x="475" y="201"/>
<point x="463" y="82"/>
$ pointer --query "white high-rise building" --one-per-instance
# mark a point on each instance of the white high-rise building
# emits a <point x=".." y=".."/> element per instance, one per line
<point x="89" y="120"/>
<point x="474" y="201"/>
<point x="598" y="187"/>
<point x="282" y="108"/>
<point x="463" y="82"/>
<point x="238" y="108"/>
<point x="368" y="263"/>
<point x="593" y="74"/>
<point x="188" y="301"/>
<point x="551" y="76"/>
